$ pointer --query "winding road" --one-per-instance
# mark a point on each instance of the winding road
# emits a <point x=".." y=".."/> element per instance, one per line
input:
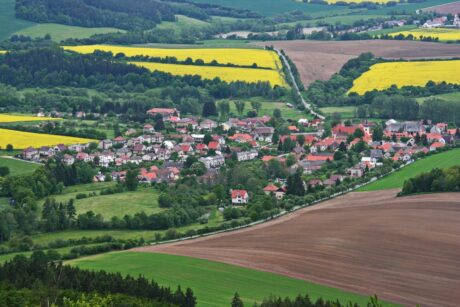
<point x="307" y="105"/>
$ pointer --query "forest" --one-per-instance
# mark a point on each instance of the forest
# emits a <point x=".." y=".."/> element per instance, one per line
<point x="36" y="281"/>
<point x="132" y="15"/>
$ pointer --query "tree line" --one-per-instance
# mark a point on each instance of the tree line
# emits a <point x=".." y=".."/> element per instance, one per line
<point x="437" y="180"/>
<point x="37" y="281"/>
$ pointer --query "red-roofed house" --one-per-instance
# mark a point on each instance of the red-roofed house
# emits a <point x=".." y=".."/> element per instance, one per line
<point x="345" y="130"/>
<point x="277" y="191"/>
<point x="320" y="157"/>
<point x="240" y="197"/>
<point x="436" y="145"/>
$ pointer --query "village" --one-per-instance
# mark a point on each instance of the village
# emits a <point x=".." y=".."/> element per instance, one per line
<point x="305" y="148"/>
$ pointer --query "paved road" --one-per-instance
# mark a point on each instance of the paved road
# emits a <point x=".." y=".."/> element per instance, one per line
<point x="296" y="87"/>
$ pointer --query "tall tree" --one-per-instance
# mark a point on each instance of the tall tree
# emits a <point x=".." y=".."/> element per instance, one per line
<point x="209" y="109"/>
<point x="239" y="105"/>
<point x="131" y="181"/>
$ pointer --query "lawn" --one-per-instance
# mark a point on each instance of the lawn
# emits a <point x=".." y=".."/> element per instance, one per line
<point x="451" y="97"/>
<point x="213" y="283"/>
<point x="18" y="167"/>
<point x="345" y="112"/>
<point x="145" y="199"/>
<point x="60" y="32"/>
<point x="9" y="23"/>
<point x="182" y="23"/>
<point x="269" y="106"/>
<point x="396" y="179"/>
<point x="275" y="7"/>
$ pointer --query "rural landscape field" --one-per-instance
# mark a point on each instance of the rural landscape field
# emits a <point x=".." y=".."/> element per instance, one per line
<point x="229" y="153"/>
<point x="384" y="75"/>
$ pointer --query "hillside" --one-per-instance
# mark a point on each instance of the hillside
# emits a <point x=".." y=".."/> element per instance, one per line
<point x="367" y="243"/>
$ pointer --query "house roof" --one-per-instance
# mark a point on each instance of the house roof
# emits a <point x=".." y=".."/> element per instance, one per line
<point x="239" y="193"/>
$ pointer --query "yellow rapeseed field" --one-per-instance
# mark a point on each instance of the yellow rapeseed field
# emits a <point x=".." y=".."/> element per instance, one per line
<point x="227" y="74"/>
<point x="21" y="140"/>
<point x="7" y="118"/>
<point x="242" y="57"/>
<point x="442" y="34"/>
<point x="383" y="75"/>
<point x="2" y="51"/>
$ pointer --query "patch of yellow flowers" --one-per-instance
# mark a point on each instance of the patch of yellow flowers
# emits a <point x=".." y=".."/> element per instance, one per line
<point x="241" y="57"/>
<point x="21" y="140"/>
<point x="7" y="118"/>
<point x="442" y="34"/>
<point x="383" y="75"/>
<point x="228" y="74"/>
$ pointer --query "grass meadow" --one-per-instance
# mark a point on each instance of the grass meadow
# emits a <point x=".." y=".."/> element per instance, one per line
<point x="18" y="167"/>
<point x="9" y="23"/>
<point x="213" y="283"/>
<point x="60" y="32"/>
<point x="268" y="107"/>
<point x="396" y="179"/>
<point x="144" y="199"/>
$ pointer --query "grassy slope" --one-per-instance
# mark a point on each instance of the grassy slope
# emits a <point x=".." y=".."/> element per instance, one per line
<point x="268" y="107"/>
<point x="274" y="7"/>
<point x="183" y="22"/>
<point x="345" y="112"/>
<point x="18" y="167"/>
<point x="144" y="199"/>
<point x="213" y="283"/>
<point x="60" y="32"/>
<point x="396" y="180"/>
<point x="8" y="23"/>
<point x="452" y="97"/>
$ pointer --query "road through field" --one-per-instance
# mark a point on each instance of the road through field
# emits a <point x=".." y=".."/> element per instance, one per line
<point x="319" y="60"/>
<point x="406" y="250"/>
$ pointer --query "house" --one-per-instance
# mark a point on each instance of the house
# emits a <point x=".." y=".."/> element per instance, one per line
<point x="148" y="128"/>
<point x="105" y="144"/>
<point x="239" y="197"/>
<point x="322" y="156"/>
<point x="212" y="162"/>
<point x="208" y="124"/>
<point x="166" y="113"/>
<point x="60" y="148"/>
<point x="29" y="153"/>
<point x="246" y="155"/>
<point x="46" y="151"/>
<point x="356" y="172"/>
<point x="408" y="127"/>
<point x="435" y="22"/>
<point x="213" y="145"/>
<point x="279" y="192"/>
<point x="436" y="145"/>
<point x="263" y="133"/>
<point x="83" y="156"/>
<point x="345" y="130"/>
<point x="68" y="160"/>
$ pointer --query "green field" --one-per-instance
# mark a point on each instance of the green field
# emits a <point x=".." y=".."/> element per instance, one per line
<point x="60" y="32"/>
<point x="183" y="22"/>
<point x="396" y="179"/>
<point x="392" y="30"/>
<point x="452" y="97"/>
<point x="213" y="283"/>
<point x="269" y="106"/>
<point x="18" y="167"/>
<point x="345" y="112"/>
<point x="275" y="7"/>
<point x="145" y="199"/>
<point x="9" y="23"/>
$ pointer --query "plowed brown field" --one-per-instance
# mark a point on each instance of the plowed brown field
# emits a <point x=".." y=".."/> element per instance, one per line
<point x="406" y="250"/>
<point x="319" y="60"/>
<point x="449" y="8"/>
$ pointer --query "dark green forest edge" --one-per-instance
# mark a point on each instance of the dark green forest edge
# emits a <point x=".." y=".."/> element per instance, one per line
<point x="40" y="281"/>
<point x="435" y="181"/>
